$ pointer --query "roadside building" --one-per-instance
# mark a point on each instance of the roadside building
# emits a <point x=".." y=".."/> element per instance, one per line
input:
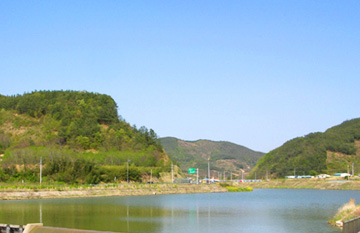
<point x="341" y="174"/>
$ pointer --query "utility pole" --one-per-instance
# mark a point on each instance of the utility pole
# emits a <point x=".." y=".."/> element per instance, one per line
<point x="209" y="169"/>
<point x="151" y="176"/>
<point x="352" y="172"/>
<point x="197" y="175"/>
<point x="267" y="172"/>
<point x="127" y="171"/>
<point x="40" y="170"/>
<point x="172" y="173"/>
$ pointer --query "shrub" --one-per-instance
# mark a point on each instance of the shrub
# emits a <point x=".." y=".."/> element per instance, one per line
<point x="224" y="185"/>
<point x="239" y="189"/>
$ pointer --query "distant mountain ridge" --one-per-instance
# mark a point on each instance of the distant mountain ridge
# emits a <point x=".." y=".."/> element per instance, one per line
<point x="335" y="150"/>
<point x="223" y="155"/>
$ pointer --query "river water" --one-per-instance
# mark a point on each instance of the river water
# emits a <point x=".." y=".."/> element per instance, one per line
<point x="263" y="210"/>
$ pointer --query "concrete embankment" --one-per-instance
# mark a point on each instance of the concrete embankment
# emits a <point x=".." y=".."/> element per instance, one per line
<point x="112" y="190"/>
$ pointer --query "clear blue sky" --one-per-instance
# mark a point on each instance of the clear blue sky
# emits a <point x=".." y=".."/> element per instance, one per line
<point x="256" y="73"/>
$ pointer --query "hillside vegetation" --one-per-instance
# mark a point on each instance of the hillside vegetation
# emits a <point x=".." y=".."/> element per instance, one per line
<point x="79" y="136"/>
<point x="330" y="152"/>
<point x="224" y="156"/>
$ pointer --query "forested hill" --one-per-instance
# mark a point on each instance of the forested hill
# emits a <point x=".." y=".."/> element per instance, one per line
<point x="224" y="156"/>
<point x="329" y="152"/>
<point x="72" y="125"/>
<point x="78" y="119"/>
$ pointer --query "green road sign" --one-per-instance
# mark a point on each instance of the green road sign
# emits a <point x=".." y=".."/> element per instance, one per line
<point x="192" y="170"/>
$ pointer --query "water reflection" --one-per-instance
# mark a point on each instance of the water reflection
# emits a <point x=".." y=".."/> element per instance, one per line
<point x="258" y="211"/>
<point x="40" y="211"/>
<point x="127" y="219"/>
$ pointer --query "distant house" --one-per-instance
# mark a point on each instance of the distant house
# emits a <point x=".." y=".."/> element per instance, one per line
<point x="323" y="176"/>
<point x="341" y="174"/>
<point x="305" y="176"/>
<point x="299" y="177"/>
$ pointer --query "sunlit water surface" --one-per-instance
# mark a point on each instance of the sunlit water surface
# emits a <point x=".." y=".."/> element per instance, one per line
<point x="263" y="210"/>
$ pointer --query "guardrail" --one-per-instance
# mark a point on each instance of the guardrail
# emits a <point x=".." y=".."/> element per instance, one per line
<point x="351" y="226"/>
<point x="39" y="228"/>
<point x="7" y="228"/>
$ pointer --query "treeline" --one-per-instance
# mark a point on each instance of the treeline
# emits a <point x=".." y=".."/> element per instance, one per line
<point x="62" y="105"/>
<point x="75" y="168"/>
<point x="309" y="154"/>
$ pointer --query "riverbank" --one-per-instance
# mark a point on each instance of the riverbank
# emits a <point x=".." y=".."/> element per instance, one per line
<point x="48" y="192"/>
<point x="108" y="190"/>
<point x="347" y="212"/>
<point x="303" y="184"/>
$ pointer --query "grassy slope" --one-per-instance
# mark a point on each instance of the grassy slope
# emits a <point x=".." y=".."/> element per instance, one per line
<point x="223" y="155"/>
<point x="25" y="133"/>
